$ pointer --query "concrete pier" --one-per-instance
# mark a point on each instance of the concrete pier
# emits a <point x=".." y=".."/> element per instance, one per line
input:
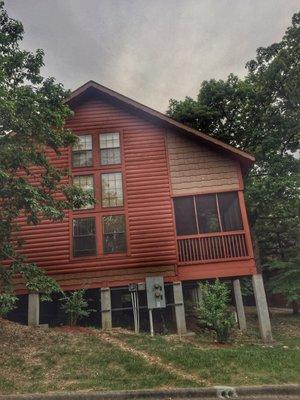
<point x="262" y="308"/>
<point x="179" y="308"/>
<point x="239" y="305"/>
<point x="106" y="308"/>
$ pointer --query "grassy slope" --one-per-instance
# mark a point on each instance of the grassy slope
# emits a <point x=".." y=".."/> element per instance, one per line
<point x="49" y="360"/>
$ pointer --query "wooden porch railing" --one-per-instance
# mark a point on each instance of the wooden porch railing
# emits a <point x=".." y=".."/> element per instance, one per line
<point x="212" y="246"/>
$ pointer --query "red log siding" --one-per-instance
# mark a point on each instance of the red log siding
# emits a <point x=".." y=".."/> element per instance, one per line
<point x="148" y="209"/>
<point x="151" y="239"/>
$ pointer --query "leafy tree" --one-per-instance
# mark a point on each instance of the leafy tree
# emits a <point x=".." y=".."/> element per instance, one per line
<point x="75" y="306"/>
<point x="260" y="114"/>
<point x="214" y="312"/>
<point x="32" y="117"/>
<point x="286" y="281"/>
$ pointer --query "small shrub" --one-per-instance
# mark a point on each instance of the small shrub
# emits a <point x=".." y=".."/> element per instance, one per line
<point x="75" y="306"/>
<point x="214" y="312"/>
<point x="7" y="303"/>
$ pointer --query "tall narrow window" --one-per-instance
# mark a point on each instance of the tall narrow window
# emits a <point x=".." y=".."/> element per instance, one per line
<point x="185" y="216"/>
<point x="82" y="152"/>
<point x="84" y="237"/>
<point x="110" y="148"/>
<point x="112" y="189"/>
<point x="114" y="237"/>
<point x="207" y="213"/>
<point x="86" y="183"/>
<point x="230" y="211"/>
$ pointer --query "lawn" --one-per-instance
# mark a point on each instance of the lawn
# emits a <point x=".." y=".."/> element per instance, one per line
<point x="40" y="360"/>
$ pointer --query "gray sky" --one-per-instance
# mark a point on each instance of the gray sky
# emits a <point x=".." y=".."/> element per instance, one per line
<point x="149" y="50"/>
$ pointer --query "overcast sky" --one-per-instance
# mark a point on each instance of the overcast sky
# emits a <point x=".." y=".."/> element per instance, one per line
<point x="149" y="50"/>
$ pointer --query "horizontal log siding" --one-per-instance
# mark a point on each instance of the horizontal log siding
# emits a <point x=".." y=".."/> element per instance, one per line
<point x="195" y="168"/>
<point x="152" y="246"/>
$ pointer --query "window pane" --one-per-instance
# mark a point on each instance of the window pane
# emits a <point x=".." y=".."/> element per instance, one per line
<point x="207" y="213"/>
<point x="84" y="241"/>
<point x="110" y="148"/>
<point x="185" y="216"/>
<point x="109" y="140"/>
<point x="112" y="190"/>
<point x="230" y="211"/>
<point x="114" y="237"/>
<point x="110" y="156"/>
<point x="86" y="183"/>
<point x="84" y="143"/>
<point x="82" y="152"/>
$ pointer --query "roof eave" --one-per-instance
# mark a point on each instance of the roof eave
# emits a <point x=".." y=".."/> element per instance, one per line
<point x="244" y="158"/>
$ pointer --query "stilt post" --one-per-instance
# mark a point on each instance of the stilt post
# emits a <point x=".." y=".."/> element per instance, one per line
<point x="33" y="309"/>
<point x="197" y="295"/>
<point x="179" y="308"/>
<point x="239" y="305"/>
<point x="262" y="308"/>
<point x="106" y="308"/>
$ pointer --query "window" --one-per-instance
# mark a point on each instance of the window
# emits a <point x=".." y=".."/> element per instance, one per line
<point x="86" y="183"/>
<point x="199" y="214"/>
<point x="82" y="152"/>
<point x="185" y="216"/>
<point x="114" y="237"/>
<point x="112" y="189"/>
<point x="84" y="237"/>
<point x="207" y="213"/>
<point x="230" y="211"/>
<point x="110" y="148"/>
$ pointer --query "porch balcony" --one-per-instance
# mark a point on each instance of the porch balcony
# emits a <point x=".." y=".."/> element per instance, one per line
<point x="212" y="228"/>
<point x="209" y="247"/>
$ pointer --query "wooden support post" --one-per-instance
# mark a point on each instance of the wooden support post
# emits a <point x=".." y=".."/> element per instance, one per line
<point x="179" y="308"/>
<point x="106" y="308"/>
<point x="262" y="308"/>
<point x="196" y="295"/>
<point x="239" y="305"/>
<point x="33" y="309"/>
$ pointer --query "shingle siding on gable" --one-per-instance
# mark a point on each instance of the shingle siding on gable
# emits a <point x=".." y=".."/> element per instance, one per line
<point x="195" y="168"/>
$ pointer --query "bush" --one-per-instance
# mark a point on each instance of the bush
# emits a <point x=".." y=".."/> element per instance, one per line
<point x="75" y="306"/>
<point x="214" y="312"/>
<point x="7" y="303"/>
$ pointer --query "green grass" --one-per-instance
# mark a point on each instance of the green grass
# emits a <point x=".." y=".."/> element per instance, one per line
<point x="51" y="360"/>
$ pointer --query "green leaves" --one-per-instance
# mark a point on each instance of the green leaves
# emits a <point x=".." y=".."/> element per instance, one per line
<point x="75" y="306"/>
<point x="32" y="118"/>
<point x="8" y="302"/>
<point x="214" y="312"/>
<point x="260" y="114"/>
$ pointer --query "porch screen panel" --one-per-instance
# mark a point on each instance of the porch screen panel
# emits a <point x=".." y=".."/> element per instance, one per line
<point x="207" y="213"/>
<point x="185" y="216"/>
<point x="230" y="211"/>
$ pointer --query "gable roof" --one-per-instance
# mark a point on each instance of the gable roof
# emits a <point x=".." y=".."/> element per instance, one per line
<point x="91" y="88"/>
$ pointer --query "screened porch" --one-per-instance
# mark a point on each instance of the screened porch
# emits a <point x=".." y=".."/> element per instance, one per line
<point x="210" y="227"/>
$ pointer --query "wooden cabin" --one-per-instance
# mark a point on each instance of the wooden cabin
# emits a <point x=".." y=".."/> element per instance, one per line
<point x="169" y="203"/>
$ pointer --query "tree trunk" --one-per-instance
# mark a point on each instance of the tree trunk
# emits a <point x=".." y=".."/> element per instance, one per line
<point x="295" y="306"/>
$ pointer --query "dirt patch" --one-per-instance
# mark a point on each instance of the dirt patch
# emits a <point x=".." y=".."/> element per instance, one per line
<point x="150" y="359"/>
